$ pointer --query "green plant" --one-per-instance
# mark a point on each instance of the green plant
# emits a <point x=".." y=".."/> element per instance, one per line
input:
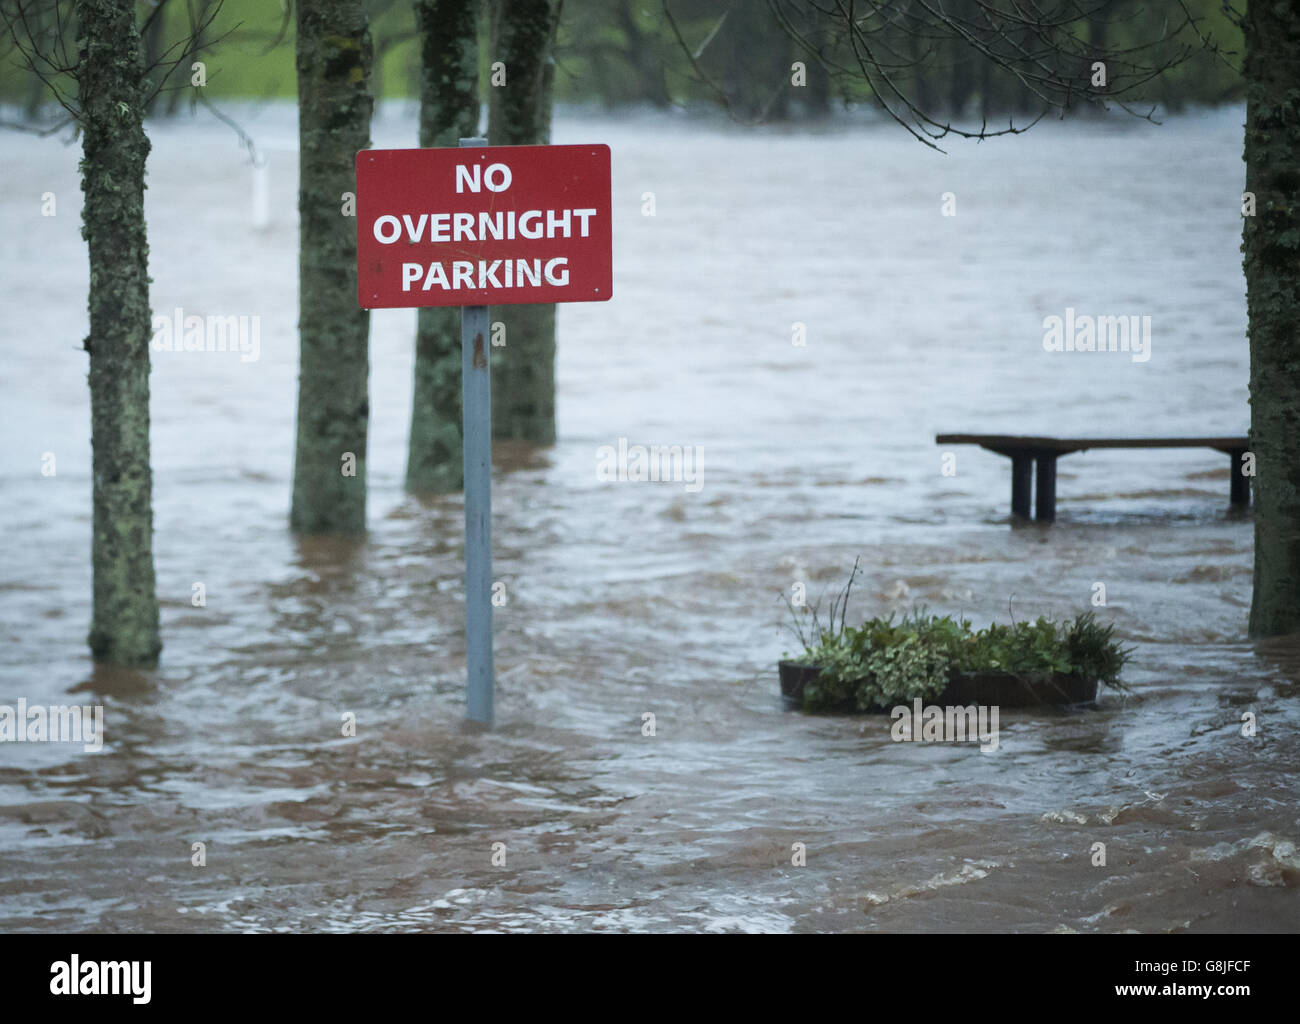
<point x="881" y="662"/>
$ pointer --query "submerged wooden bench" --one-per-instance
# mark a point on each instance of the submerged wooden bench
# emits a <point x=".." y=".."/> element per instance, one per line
<point x="1025" y="451"/>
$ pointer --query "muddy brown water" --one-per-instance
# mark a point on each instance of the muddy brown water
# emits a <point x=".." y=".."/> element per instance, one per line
<point x="632" y="598"/>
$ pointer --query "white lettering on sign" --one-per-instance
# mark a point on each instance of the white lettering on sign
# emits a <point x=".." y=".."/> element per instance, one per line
<point x="473" y="177"/>
<point x="397" y="228"/>
<point x="483" y="274"/>
<point x="426" y="270"/>
<point x="484" y="226"/>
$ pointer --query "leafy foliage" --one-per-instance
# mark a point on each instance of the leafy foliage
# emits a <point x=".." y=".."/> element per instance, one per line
<point x="883" y="662"/>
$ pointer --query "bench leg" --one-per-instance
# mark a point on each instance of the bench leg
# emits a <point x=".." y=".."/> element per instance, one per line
<point x="1022" y="473"/>
<point x="1045" y="499"/>
<point x="1238" y="485"/>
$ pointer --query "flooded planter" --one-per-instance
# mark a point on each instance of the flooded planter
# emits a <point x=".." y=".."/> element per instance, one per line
<point x="1002" y="689"/>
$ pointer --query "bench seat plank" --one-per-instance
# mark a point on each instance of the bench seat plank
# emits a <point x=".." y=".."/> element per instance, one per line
<point x="1065" y="445"/>
<point x="1044" y="451"/>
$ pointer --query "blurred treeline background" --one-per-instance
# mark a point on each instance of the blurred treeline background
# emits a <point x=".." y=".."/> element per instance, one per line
<point x="618" y="53"/>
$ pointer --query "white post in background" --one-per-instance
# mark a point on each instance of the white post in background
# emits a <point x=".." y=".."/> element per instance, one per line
<point x="261" y="191"/>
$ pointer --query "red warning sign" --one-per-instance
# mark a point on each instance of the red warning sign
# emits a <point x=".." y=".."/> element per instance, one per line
<point x="483" y="226"/>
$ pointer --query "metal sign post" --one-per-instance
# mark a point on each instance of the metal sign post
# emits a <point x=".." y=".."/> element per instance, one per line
<point x="499" y="225"/>
<point x="476" y="405"/>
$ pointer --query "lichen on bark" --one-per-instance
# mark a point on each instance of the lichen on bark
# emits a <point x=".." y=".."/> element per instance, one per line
<point x="449" y="111"/>
<point x="124" y="624"/>
<point x="523" y="370"/>
<point x="334" y="57"/>
<point x="1271" y="248"/>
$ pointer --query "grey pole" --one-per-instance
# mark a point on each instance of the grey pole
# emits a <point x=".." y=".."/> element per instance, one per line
<point x="476" y="403"/>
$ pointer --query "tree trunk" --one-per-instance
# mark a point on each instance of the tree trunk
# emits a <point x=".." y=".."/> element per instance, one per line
<point x="959" y="80"/>
<point x="334" y="108"/>
<point x="1271" y="244"/>
<point x="124" y="626"/>
<point x="37" y="93"/>
<point x="523" y="400"/>
<point x="449" y="109"/>
<point x="153" y="53"/>
<point x="920" y="74"/>
<point x="179" y="83"/>
<point x="818" y="102"/>
<point x="987" y="106"/>
<point x="960" y="63"/>
<point x="644" y="55"/>
<point x="780" y="51"/>
<point x="1099" y="44"/>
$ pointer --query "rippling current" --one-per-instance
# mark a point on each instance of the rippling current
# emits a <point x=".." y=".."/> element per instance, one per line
<point x="627" y="598"/>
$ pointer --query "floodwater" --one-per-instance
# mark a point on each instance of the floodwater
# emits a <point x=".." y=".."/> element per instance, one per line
<point x="633" y="597"/>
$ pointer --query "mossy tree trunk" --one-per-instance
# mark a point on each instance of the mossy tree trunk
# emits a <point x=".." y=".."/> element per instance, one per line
<point x="179" y="83"/>
<point x="1271" y="244"/>
<point x="642" y="51"/>
<point x="1099" y="45"/>
<point x="153" y="53"/>
<point x="959" y="69"/>
<point x="334" y="108"/>
<point x="449" y="111"/>
<point x="817" y="100"/>
<point x="110" y="68"/>
<point x="523" y="390"/>
<point x="38" y="94"/>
